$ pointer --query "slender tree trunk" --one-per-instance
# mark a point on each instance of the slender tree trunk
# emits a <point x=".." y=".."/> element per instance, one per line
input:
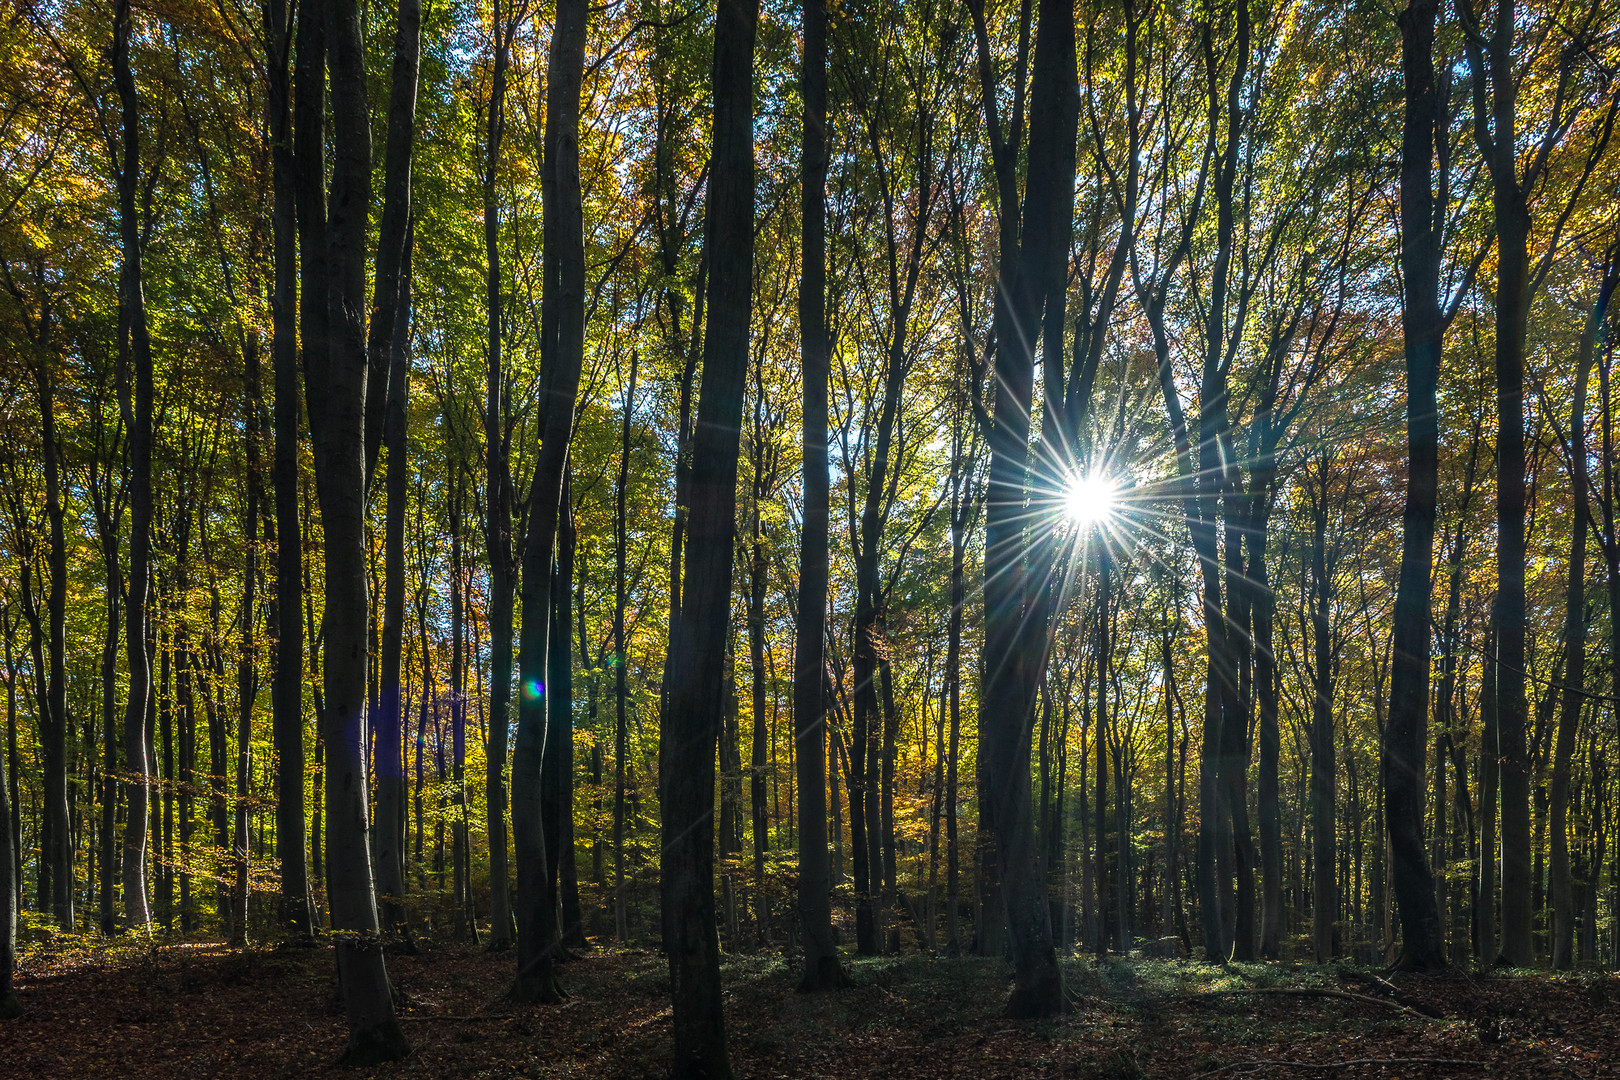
<point x="688" y="739"/>
<point x="1015" y="617"/>
<point x="1324" y="768"/>
<point x="757" y="759"/>
<point x="10" y="883"/>
<point x="621" y="687"/>
<point x="339" y="388"/>
<point x="1563" y="924"/>
<point x="287" y="688"/>
<point x="388" y="368"/>
<point x="247" y="675"/>
<point x="1485" y="921"/>
<point x="557" y="764"/>
<point x="497" y="502"/>
<point x="562" y="332"/>
<point x="135" y="343"/>
<point x="1495" y="125"/>
<point x="1406" y="735"/>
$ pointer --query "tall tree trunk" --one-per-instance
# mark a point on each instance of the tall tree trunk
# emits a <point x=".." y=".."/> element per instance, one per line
<point x="562" y="341"/>
<point x="1015" y="618"/>
<point x="388" y="369"/>
<point x="338" y="395"/>
<point x="135" y="344"/>
<point x="1495" y="125"/>
<point x="497" y="499"/>
<point x="10" y="883"/>
<point x="821" y="967"/>
<point x="247" y="674"/>
<point x="1563" y="895"/>
<point x="1406" y="733"/>
<point x="287" y="688"/>
<point x="1490" y="765"/>
<point x="621" y="687"/>
<point x="689" y="735"/>
<point x="557" y="764"/>
<point x="1324" y="769"/>
<point x="757" y="758"/>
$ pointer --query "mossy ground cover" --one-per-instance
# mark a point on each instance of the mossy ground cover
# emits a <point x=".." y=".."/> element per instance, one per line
<point x="175" y="1008"/>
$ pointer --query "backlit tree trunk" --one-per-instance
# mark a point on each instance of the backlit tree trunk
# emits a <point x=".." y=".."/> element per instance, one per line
<point x="690" y="733"/>
<point x="1406" y="734"/>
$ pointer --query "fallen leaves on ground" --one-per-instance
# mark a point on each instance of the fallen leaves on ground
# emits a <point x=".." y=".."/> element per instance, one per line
<point x="197" y="1008"/>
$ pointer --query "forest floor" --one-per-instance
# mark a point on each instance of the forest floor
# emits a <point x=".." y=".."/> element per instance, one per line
<point x="183" y="1009"/>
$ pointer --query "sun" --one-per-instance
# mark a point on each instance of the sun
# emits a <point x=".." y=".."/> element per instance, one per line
<point x="1090" y="500"/>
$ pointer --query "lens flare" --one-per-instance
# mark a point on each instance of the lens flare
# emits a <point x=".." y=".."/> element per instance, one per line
<point x="534" y="688"/>
<point x="1090" y="500"/>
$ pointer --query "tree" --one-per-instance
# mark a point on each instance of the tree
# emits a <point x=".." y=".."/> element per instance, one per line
<point x="10" y="1007"/>
<point x="338" y="425"/>
<point x="821" y="967"/>
<point x="388" y="368"/>
<point x="562" y="337"/>
<point x="497" y="484"/>
<point x="1405" y="738"/>
<point x="287" y="691"/>
<point x="690" y="733"/>
<point x="135" y="346"/>
<point x="1015" y="630"/>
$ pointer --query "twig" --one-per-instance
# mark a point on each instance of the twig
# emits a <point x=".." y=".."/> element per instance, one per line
<point x="1329" y="1065"/>
<point x="476" y="1018"/>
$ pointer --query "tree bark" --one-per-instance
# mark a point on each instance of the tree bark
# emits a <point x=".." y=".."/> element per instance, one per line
<point x="1015" y="631"/>
<point x="287" y="686"/>
<point x="1563" y="894"/>
<point x="689" y="735"/>
<point x="822" y="970"/>
<point x="1495" y="123"/>
<point x="1406" y="733"/>
<point x="497" y="500"/>
<point x="135" y="345"/>
<point x="562" y="343"/>
<point x="338" y="395"/>
<point x="621" y="687"/>
<point x="10" y="1007"/>
<point x="388" y="369"/>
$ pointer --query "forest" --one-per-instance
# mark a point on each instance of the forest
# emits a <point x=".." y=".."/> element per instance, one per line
<point x="852" y="537"/>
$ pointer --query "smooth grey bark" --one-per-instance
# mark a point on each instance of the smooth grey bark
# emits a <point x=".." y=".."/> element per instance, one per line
<point x="388" y="369"/>
<point x="135" y="346"/>
<point x="562" y="345"/>
<point x="689" y="736"/>
<point x="1406" y="733"/>
<point x="822" y="970"/>
<point x="338" y="396"/>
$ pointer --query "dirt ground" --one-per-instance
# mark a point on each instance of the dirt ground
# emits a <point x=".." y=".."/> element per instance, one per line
<point x="184" y="1009"/>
